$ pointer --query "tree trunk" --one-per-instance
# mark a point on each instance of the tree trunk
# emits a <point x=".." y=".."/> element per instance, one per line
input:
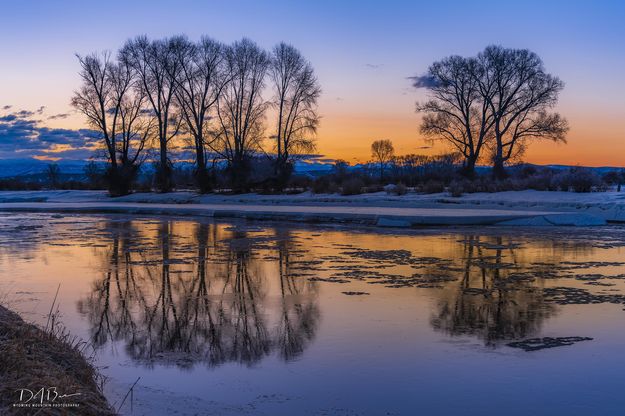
<point x="202" y="177"/>
<point x="468" y="170"/>
<point x="499" y="171"/>
<point x="163" y="175"/>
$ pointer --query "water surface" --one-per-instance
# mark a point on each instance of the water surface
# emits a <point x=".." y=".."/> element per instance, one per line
<point x="268" y="318"/>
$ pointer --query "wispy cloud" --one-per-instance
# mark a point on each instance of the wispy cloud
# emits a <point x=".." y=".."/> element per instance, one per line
<point x="60" y="116"/>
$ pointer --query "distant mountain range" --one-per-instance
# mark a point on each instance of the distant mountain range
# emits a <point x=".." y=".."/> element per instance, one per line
<point x="34" y="168"/>
<point x="29" y="167"/>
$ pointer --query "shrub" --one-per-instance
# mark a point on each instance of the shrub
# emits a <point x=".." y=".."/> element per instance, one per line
<point x="456" y="188"/>
<point x="433" y="187"/>
<point x="577" y="179"/>
<point x="612" y="177"/>
<point x="583" y="180"/>
<point x="352" y="186"/>
<point x="16" y="184"/>
<point x="163" y="177"/>
<point x="542" y="181"/>
<point x="95" y="175"/>
<point x="299" y="182"/>
<point x="399" y="189"/>
<point x="374" y="188"/>
<point x="323" y="185"/>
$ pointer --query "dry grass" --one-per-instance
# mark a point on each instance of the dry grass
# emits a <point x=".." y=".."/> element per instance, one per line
<point x="34" y="358"/>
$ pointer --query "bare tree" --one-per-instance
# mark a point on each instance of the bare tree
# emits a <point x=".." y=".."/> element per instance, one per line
<point x="523" y="94"/>
<point x="382" y="152"/>
<point x="54" y="174"/>
<point x="455" y="112"/>
<point x="133" y="124"/>
<point x="157" y="72"/>
<point x="199" y="85"/>
<point x="241" y="109"/>
<point x="115" y="110"/>
<point x="296" y="91"/>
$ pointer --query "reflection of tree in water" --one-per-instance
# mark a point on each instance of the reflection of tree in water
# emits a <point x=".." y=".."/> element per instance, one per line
<point x="491" y="300"/>
<point x="213" y="308"/>
<point x="299" y="314"/>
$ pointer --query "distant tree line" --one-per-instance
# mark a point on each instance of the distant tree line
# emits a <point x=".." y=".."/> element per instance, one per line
<point x="495" y="103"/>
<point x="155" y="94"/>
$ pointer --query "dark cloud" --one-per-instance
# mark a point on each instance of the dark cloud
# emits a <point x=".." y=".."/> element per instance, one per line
<point x="59" y="116"/>
<point x="423" y="81"/>
<point x="23" y="136"/>
<point x="7" y="107"/>
<point x="374" y="66"/>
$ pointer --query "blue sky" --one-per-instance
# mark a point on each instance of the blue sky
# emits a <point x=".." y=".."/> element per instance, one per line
<point x="363" y="53"/>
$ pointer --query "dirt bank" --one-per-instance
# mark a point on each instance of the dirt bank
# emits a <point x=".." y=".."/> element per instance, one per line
<point x="31" y="360"/>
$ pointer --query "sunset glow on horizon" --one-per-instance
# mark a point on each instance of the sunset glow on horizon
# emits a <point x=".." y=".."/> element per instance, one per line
<point x="363" y="55"/>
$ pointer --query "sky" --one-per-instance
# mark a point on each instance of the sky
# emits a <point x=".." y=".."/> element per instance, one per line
<point x="363" y="53"/>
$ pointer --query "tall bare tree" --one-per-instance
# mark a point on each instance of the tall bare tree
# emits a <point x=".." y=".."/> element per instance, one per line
<point x="455" y="112"/>
<point x="382" y="152"/>
<point x="523" y="94"/>
<point x="157" y="72"/>
<point x="133" y="122"/>
<point x="114" y="109"/>
<point x="241" y="109"/>
<point x="199" y="85"/>
<point x="296" y="91"/>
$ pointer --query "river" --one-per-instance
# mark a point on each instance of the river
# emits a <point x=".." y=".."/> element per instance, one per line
<point x="235" y="317"/>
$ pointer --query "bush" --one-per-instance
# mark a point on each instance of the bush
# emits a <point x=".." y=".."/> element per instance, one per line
<point x="456" y="188"/>
<point x="95" y="175"/>
<point x="373" y="188"/>
<point x="433" y="187"/>
<point x="323" y="185"/>
<point x="541" y="181"/>
<point x="163" y="177"/>
<point x="352" y="186"/>
<point x="299" y="182"/>
<point x="578" y="179"/>
<point x="399" y="189"/>
<point x="15" y="184"/>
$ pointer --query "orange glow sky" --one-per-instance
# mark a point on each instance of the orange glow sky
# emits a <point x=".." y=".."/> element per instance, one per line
<point x="363" y="54"/>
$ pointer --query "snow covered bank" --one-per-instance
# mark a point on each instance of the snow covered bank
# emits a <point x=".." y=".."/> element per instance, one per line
<point x="370" y="214"/>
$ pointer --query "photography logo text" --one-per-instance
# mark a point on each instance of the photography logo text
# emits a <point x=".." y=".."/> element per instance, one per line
<point x="44" y="397"/>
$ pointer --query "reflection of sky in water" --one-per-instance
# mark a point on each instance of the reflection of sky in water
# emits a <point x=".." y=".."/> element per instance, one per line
<point x="240" y="317"/>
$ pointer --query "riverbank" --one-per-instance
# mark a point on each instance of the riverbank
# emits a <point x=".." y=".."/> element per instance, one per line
<point x="503" y="208"/>
<point x="31" y="360"/>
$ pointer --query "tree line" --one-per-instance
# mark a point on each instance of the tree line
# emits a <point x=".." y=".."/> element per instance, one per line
<point x="492" y="105"/>
<point x="210" y="95"/>
<point x="152" y="95"/>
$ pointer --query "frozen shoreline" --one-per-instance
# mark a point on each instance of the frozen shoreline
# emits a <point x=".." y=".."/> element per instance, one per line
<point x="503" y="208"/>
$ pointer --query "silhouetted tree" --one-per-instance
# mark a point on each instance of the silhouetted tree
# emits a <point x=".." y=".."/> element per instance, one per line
<point x="199" y="85"/>
<point x="296" y="91"/>
<point x="456" y="111"/>
<point x="241" y="109"/>
<point x="115" y="109"/>
<point x="93" y="173"/>
<point x="157" y="71"/>
<point x="382" y="152"/>
<point x="54" y="173"/>
<point x="519" y="103"/>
